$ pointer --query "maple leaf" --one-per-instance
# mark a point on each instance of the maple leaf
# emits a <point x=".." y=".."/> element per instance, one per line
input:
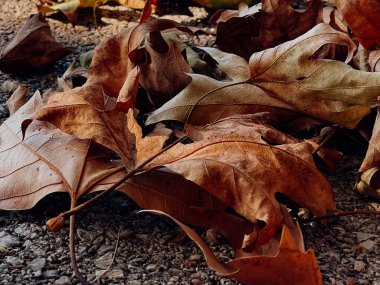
<point x="284" y="77"/>
<point x="43" y="162"/>
<point x="33" y="47"/>
<point x="262" y="26"/>
<point x="83" y="112"/>
<point x="240" y="161"/>
<point x="363" y="18"/>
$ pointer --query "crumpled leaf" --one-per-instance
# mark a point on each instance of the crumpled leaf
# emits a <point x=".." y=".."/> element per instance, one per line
<point x="363" y="17"/>
<point x="17" y="99"/>
<point x="43" y="162"/>
<point x="262" y="26"/>
<point x="373" y="60"/>
<point x="285" y="77"/>
<point x="237" y="154"/>
<point x="73" y="77"/>
<point x="83" y="111"/>
<point x="33" y="47"/>
<point x="163" y="76"/>
<point x="368" y="178"/>
<point x="161" y="189"/>
<point x="283" y="262"/>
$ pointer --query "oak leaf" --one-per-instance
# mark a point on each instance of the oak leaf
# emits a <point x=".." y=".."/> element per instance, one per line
<point x="262" y="26"/>
<point x="328" y="90"/>
<point x="241" y="162"/>
<point x="363" y="17"/>
<point x="33" y="47"/>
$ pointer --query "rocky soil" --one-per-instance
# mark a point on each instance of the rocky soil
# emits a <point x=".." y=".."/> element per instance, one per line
<point x="151" y="249"/>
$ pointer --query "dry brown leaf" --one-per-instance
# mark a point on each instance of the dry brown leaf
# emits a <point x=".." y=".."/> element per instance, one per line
<point x="373" y="60"/>
<point x="82" y="112"/>
<point x="72" y="77"/>
<point x="284" y="77"/>
<point x="284" y="262"/>
<point x="242" y="163"/>
<point x="32" y="48"/>
<point x="43" y="162"/>
<point x="164" y="74"/>
<point x="161" y="189"/>
<point x="17" y="99"/>
<point x="112" y="59"/>
<point x="206" y="100"/>
<point x="368" y="179"/>
<point x="262" y="26"/>
<point x="363" y="17"/>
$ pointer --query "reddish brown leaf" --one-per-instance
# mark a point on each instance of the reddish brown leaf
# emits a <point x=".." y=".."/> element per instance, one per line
<point x="246" y="31"/>
<point x="363" y="17"/>
<point x="164" y="74"/>
<point x="242" y="163"/>
<point x="33" y="47"/>
<point x="283" y="262"/>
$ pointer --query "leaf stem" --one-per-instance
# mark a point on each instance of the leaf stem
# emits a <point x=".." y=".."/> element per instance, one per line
<point x="135" y="171"/>
<point x="340" y="214"/>
<point x="73" y="258"/>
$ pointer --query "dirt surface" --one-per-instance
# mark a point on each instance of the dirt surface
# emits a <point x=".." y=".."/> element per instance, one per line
<point x="151" y="250"/>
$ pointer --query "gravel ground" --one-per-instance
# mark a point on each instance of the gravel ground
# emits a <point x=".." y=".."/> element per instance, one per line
<point x="151" y="250"/>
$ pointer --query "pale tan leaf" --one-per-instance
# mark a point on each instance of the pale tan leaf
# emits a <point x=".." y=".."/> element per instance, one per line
<point x="17" y="99"/>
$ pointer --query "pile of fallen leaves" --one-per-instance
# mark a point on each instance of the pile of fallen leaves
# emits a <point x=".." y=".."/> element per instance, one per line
<point x="207" y="136"/>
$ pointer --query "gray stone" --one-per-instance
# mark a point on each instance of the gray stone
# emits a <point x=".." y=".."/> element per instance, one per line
<point x="14" y="261"/>
<point x="8" y="240"/>
<point x="64" y="280"/>
<point x="37" y="264"/>
<point x="359" y="266"/>
<point x="368" y="245"/>
<point x="104" y="261"/>
<point x="50" y="274"/>
<point x="151" y="267"/>
<point x="112" y="274"/>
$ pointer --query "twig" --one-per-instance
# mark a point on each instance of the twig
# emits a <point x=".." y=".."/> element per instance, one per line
<point x="112" y="260"/>
<point x="58" y="220"/>
<point x="340" y="214"/>
<point x="74" y="264"/>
